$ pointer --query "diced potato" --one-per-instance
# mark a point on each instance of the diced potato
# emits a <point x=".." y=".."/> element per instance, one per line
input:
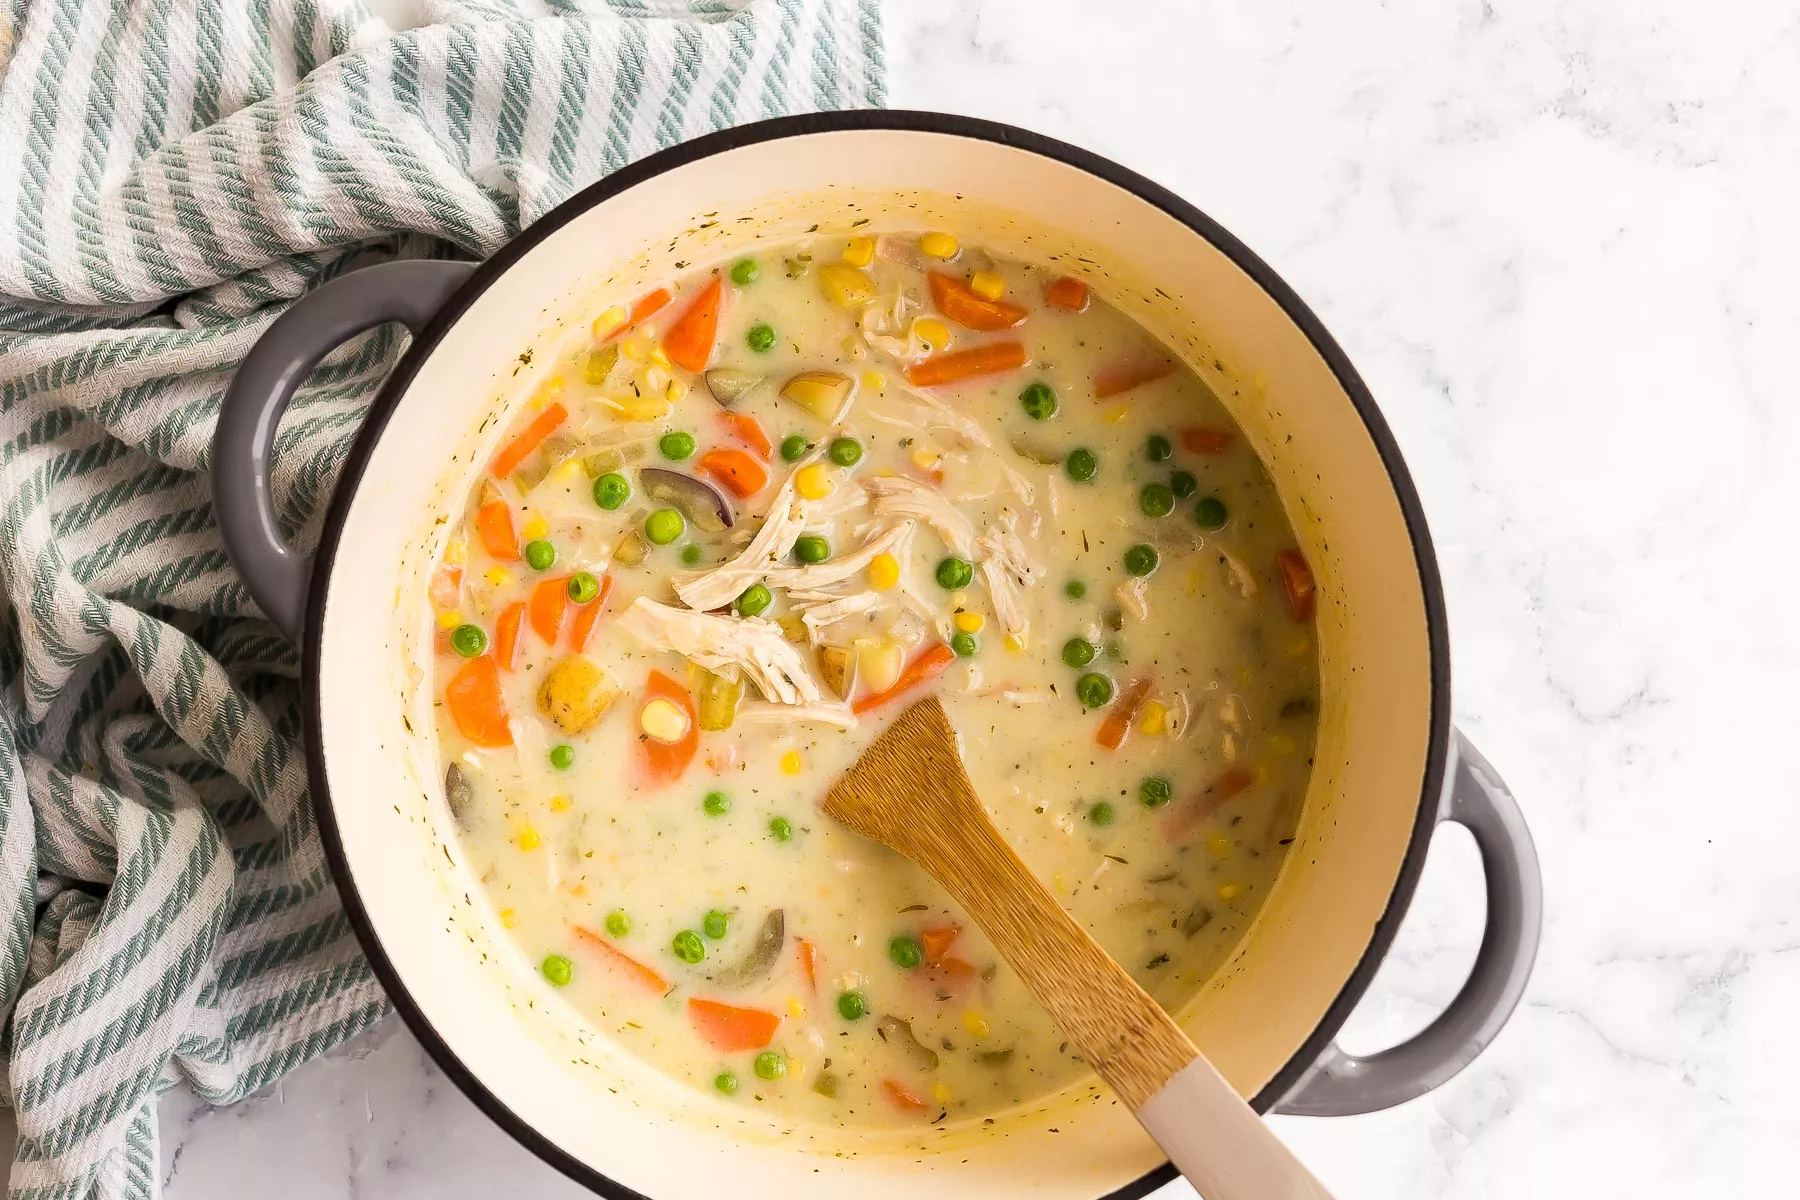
<point x="879" y="662"/>
<point x="728" y="386"/>
<point x="792" y="628"/>
<point x="845" y="286"/>
<point x="630" y="550"/>
<point x="837" y="667"/>
<point x="576" y="693"/>
<point x="717" y="699"/>
<point x="821" y="393"/>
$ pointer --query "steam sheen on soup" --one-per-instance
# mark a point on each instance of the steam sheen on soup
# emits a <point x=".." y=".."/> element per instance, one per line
<point x="747" y="519"/>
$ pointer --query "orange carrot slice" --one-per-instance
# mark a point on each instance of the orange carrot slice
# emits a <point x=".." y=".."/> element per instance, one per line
<point x="809" y="962"/>
<point x="646" y="307"/>
<point x="588" y="615"/>
<point x="1122" y="715"/>
<point x="748" y="430"/>
<point x="1185" y="818"/>
<point x="549" y="606"/>
<point x="689" y="342"/>
<point x="1123" y="376"/>
<point x="903" y="1097"/>
<point x="926" y="667"/>
<point x="506" y="635"/>
<point x="736" y="469"/>
<point x="1066" y="292"/>
<point x="991" y="358"/>
<point x="664" y="762"/>
<point x="730" y="1029"/>
<point x="493" y="523"/>
<point x="958" y="301"/>
<point x="628" y="966"/>
<point x="1297" y="578"/>
<point x="473" y="697"/>
<point x="937" y="941"/>
<point x="1199" y="439"/>
<point x="508" y="460"/>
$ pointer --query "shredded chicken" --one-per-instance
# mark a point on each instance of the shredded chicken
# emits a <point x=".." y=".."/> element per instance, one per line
<point x="788" y="515"/>
<point x="826" y="712"/>
<point x="1240" y="574"/>
<point x="1008" y="570"/>
<point x="898" y="497"/>
<point x="818" y="617"/>
<point x="885" y="328"/>
<point x="1133" y="598"/>
<point x="840" y="503"/>
<point x="934" y="413"/>
<point x="757" y="646"/>
<point x="836" y="570"/>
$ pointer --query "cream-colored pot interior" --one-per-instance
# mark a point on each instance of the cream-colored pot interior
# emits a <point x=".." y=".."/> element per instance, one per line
<point x="603" y="1108"/>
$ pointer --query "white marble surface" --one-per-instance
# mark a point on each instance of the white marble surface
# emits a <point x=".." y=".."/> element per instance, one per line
<point x="1557" y="239"/>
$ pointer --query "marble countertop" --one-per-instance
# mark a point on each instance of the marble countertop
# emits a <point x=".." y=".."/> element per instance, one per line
<point x="1555" y="238"/>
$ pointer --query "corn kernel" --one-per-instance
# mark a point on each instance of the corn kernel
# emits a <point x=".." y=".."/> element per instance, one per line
<point x="844" y="286"/>
<point x="1117" y="413"/>
<point x="567" y="473"/>
<point x="499" y="576"/>
<point x="636" y="348"/>
<point x="976" y="1024"/>
<point x="790" y="763"/>
<point x="656" y="380"/>
<point x="814" y="482"/>
<point x="1260" y="774"/>
<point x="935" y="333"/>
<point x="456" y="552"/>
<point x="677" y="390"/>
<point x="449" y="620"/>
<point x="1230" y="891"/>
<point x="547" y="391"/>
<point x="940" y="1092"/>
<point x="873" y="381"/>
<point x="860" y="251"/>
<point x="970" y="622"/>
<point x="1283" y="745"/>
<point x="508" y="917"/>
<point x="663" y="721"/>
<point x="795" y="1008"/>
<point x="528" y="838"/>
<point x="1014" y="644"/>
<point x="535" y="528"/>
<point x="643" y="408"/>
<point x="559" y="803"/>
<point x="987" y="285"/>
<point x="1219" y="846"/>
<point x="658" y="357"/>
<point x="1154" y="720"/>
<point x="939" y="245"/>
<point x="884" y="572"/>
<point x="609" y="322"/>
<point x="925" y="460"/>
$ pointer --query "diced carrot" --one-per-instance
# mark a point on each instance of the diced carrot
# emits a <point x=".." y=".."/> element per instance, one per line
<point x="646" y="307"/>
<point x="957" y="972"/>
<point x="958" y="301"/>
<point x="748" y="430"/>
<point x="990" y="358"/>
<point x="938" y="940"/>
<point x="730" y="1029"/>
<point x="473" y="697"/>
<point x="493" y="521"/>
<point x="1067" y="292"/>
<point x="1297" y="578"/>
<point x="1200" y="439"/>
<point x="588" y="615"/>
<point x="506" y="635"/>
<point x="903" y="1097"/>
<point x="736" y="469"/>
<point x="1123" y="715"/>
<point x="508" y="460"/>
<point x="926" y="667"/>
<point x="808" y="954"/>
<point x="664" y="762"/>
<point x="442" y="642"/>
<point x="630" y="967"/>
<point x="689" y="342"/>
<point x="446" y="588"/>
<point x="1123" y="376"/>
<point x="1192" y="813"/>
<point x="549" y="608"/>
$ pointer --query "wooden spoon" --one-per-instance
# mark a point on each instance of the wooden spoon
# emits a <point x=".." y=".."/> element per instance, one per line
<point x="909" y="791"/>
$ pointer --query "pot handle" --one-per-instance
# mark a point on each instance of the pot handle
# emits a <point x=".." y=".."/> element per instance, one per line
<point x="410" y="292"/>
<point x="1342" y="1084"/>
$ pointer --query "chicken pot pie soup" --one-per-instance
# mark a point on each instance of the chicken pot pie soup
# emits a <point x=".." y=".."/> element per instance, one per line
<point x="746" y="519"/>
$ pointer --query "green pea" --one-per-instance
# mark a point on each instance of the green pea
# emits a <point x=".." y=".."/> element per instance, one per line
<point x="781" y="829"/>
<point x="664" y="526"/>
<point x="811" y="548"/>
<point x="1183" y="484"/>
<point x="1158" y="448"/>
<point x="1094" y="690"/>
<point x="562" y="757"/>
<point x="618" y="923"/>
<point x="753" y="600"/>
<point x="1101" y="813"/>
<point x="851" y="1005"/>
<point x="1039" y="400"/>
<point x="677" y="445"/>
<point x="761" y="338"/>
<point x="583" y="587"/>
<point x="744" y="272"/>
<point x="1155" y="791"/>
<point x="726" y="1082"/>
<point x="540" y="555"/>
<point x="906" y="952"/>
<point x="1156" y="500"/>
<point x="611" y="490"/>
<point x="953" y="573"/>
<point x="1074" y="589"/>
<point x="794" y="448"/>
<point x="558" y="970"/>
<point x="770" y="1064"/>
<point x="964" y="644"/>
<point x="1141" y="559"/>
<point x="690" y="554"/>
<point x="716" y="804"/>
<point x="1078" y="652"/>
<point x="1210" y="512"/>
<point x="688" y="947"/>
<point x="468" y="640"/>
<point x="845" y="452"/>
<point x="715" y="924"/>
<point x="1082" y="465"/>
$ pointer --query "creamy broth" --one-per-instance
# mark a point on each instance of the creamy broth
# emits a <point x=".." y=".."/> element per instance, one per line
<point x="639" y="708"/>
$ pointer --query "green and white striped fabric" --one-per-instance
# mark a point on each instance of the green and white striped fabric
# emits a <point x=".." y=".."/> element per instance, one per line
<point x="172" y="174"/>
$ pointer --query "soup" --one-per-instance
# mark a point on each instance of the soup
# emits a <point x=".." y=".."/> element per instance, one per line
<point x="746" y="519"/>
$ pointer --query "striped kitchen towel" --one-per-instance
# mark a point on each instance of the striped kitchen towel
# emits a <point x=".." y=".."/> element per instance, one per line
<point x="173" y="173"/>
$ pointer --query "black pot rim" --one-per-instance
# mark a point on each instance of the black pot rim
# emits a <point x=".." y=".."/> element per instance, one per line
<point x="388" y="399"/>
